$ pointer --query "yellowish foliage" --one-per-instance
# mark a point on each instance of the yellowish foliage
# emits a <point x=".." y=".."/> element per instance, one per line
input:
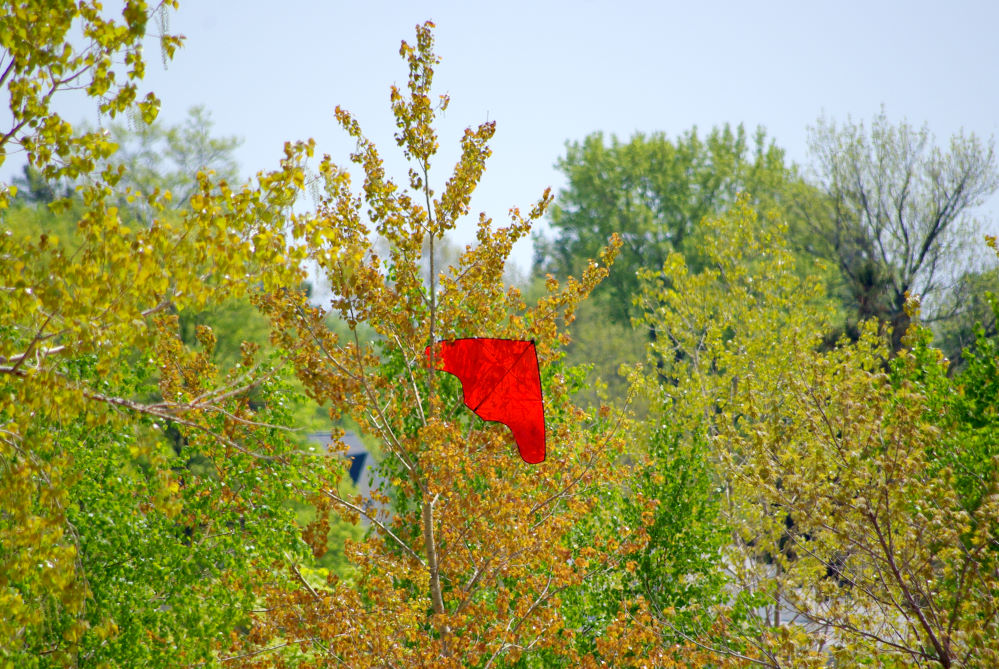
<point x="857" y="541"/>
<point x="470" y="567"/>
<point x="79" y="314"/>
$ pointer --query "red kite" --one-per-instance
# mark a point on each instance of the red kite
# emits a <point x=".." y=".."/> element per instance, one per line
<point x="501" y="382"/>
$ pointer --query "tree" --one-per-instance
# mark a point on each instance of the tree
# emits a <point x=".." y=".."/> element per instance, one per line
<point x="602" y="346"/>
<point x="157" y="158"/>
<point x="971" y="444"/>
<point x="39" y="61"/>
<point x="865" y="529"/>
<point x="972" y="302"/>
<point x="898" y="214"/>
<point x="33" y="187"/>
<point x="120" y="546"/>
<point x="653" y="192"/>
<point x="471" y="566"/>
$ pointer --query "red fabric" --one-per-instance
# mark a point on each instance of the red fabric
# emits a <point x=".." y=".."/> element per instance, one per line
<point x="501" y="382"/>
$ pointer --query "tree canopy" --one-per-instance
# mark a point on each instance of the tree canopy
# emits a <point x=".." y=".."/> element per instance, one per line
<point x="143" y="484"/>
<point x="898" y="213"/>
<point x="472" y="566"/>
<point x="856" y="496"/>
<point x="780" y="498"/>
<point x="653" y="191"/>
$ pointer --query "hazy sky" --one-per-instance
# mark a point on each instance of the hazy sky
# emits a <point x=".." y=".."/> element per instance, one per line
<point x="549" y="72"/>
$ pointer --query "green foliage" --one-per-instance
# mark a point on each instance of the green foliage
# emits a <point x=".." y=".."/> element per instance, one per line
<point x="601" y="346"/>
<point x="677" y="578"/>
<point x="28" y="218"/>
<point x="157" y="539"/>
<point x="966" y="410"/>
<point x="33" y="188"/>
<point x="680" y="570"/>
<point x="146" y="477"/>
<point x="653" y="192"/>
<point x="970" y="311"/>
<point x="153" y="491"/>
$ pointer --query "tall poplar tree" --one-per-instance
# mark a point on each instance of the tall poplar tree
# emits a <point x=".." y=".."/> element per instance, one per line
<point x="475" y="562"/>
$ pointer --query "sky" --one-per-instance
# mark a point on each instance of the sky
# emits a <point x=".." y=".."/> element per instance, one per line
<point x="552" y="72"/>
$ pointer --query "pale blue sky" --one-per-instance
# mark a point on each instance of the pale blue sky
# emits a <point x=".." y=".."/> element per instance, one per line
<point x="549" y="72"/>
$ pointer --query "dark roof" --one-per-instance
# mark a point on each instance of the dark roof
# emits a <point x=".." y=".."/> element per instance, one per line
<point x="361" y="465"/>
